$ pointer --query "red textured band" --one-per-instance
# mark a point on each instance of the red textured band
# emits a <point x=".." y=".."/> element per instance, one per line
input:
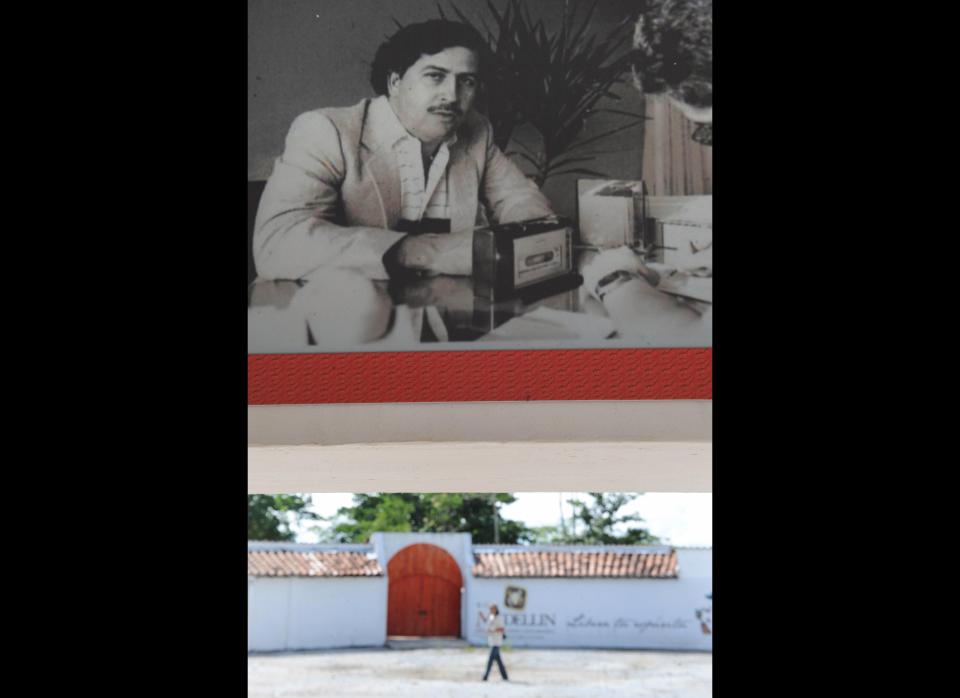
<point x="469" y="376"/>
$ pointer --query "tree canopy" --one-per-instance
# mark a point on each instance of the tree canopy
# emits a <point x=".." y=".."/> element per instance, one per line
<point x="595" y="521"/>
<point x="269" y="517"/>
<point x="460" y="512"/>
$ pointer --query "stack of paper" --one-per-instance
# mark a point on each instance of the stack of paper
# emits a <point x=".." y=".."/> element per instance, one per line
<point x="608" y="210"/>
<point x="693" y="287"/>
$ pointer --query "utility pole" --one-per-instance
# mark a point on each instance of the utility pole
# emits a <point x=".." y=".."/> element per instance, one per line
<point x="496" y="521"/>
<point x="563" y="520"/>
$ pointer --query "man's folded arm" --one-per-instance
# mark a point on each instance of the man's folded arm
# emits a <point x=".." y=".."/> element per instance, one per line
<point x="295" y="231"/>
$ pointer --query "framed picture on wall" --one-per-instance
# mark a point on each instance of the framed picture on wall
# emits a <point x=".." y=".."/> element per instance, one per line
<point x="413" y="221"/>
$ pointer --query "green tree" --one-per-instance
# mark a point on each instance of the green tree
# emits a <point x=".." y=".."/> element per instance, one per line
<point x="470" y="512"/>
<point x="269" y="517"/>
<point x="597" y="521"/>
<point x="371" y="513"/>
<point x="474" y="513"/>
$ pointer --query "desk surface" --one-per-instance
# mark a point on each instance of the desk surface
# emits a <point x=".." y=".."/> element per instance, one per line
<point x="652" y="319"/>
<point x="466" y="317"/>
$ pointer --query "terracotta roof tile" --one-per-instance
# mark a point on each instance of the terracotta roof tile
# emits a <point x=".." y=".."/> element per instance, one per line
<point x="287" y="563"/>
<point x="594" y="562"/>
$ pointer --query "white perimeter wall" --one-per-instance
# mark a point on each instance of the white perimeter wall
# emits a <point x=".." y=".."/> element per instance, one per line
<point x="629" y="613"/>
<point x="315" y="613"/>
<point x="291" y="613"/>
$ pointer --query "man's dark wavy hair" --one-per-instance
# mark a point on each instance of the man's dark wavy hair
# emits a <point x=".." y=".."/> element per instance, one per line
<point x="404" y="48"/>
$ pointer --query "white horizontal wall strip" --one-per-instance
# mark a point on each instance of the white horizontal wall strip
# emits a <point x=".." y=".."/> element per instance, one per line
<point x="587" y="421"/>
<point x="482" y="467"/>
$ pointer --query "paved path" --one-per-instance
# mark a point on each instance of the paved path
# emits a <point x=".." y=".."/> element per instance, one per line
<point x="457" y="671"/>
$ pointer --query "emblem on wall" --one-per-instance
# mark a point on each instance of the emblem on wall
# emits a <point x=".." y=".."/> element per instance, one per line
<point x="515" y="598"/>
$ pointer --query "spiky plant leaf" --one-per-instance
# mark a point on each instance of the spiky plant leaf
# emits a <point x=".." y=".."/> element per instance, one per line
<point x="552" y="81"/>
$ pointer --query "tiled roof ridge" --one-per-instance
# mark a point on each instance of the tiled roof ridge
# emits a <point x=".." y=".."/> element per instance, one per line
<point x="479" y="547"/>
<point x="268" y="545"/>
<point x="574" y="548"/>
<point x="596" y="561"/>
<point x="312" y="563"/>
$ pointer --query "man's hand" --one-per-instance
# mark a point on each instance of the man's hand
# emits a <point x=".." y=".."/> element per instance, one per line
<point x="452" y="293"/>
<point x="440" y="253"/>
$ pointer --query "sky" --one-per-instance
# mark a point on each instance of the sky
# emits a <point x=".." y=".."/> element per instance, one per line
<point x="677" y="518"/>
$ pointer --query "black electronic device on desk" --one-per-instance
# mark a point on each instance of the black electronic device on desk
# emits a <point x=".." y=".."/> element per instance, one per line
<point x="527" y="259"/>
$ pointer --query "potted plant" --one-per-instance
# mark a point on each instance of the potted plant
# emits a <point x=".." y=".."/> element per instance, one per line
<point x="553" y="81"/>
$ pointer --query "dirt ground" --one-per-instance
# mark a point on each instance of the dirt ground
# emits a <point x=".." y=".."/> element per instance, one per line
<point x="457" y="672"/>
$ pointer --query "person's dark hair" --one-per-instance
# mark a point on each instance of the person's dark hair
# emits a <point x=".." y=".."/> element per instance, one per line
<point x="496" y="611"/>
<point x="405" y="47"/>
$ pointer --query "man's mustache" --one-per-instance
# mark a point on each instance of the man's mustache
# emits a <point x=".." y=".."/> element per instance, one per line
<point x="446" y="108"/>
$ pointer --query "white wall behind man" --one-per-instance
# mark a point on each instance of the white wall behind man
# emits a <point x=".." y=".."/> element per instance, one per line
<point x="597" y="612"/>
<point x="627" y="613"/>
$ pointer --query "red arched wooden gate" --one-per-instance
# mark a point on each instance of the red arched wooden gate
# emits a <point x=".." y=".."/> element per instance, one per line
<point x="424" y="592"/>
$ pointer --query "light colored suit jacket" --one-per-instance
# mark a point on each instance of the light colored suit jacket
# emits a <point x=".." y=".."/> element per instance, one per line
<point x="334" y="195"/>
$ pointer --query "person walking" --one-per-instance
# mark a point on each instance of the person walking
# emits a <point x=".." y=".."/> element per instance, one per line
<point x="495" y="635"/>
